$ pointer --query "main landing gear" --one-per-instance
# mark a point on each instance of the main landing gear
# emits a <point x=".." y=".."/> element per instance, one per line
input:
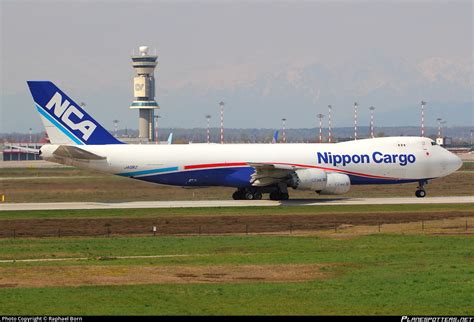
<point x="244" y="194"/>
<point x="279" y="192"/>
<point x="278" y="195"/>
<point x="420" y="192"/>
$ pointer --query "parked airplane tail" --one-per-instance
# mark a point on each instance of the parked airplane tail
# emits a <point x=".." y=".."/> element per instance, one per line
<point x="275" y="137"/>
<point x="65" y="121"/>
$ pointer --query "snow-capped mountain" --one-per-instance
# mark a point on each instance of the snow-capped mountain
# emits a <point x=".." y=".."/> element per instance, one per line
<point x="394" y="86"/>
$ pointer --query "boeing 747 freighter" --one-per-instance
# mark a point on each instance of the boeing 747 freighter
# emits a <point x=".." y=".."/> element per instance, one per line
<point x="253" y="169"/>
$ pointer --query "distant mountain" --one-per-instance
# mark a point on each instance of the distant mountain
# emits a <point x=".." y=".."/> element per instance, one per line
<point x="394" y="86"/>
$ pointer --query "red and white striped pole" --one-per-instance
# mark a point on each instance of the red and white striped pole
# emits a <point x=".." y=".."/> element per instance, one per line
<point x="320" y="116"/>
<point x="329" y="124"/>
<point x="442" y="124"/>
<point x="208" y="136"/>
<point x="372" y="121"/>
<point x="355" y="120"/>
<point x="423" y="103"/>
<point x="283" y="120"/>
<point x="439" y="127"/>
<point x="221" y="104"/>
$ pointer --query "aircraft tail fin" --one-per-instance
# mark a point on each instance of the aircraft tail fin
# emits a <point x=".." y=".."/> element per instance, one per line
<point x="275" y="137"/>
<point x="65" y="121"/>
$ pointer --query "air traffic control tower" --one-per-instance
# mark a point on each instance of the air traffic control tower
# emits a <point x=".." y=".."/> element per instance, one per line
<point x="144" y="92"/>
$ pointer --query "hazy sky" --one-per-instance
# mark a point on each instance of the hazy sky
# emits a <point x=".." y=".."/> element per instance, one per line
<point x="85" y="46"/>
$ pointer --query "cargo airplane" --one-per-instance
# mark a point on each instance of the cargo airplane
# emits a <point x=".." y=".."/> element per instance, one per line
<point x="253" y="169"/>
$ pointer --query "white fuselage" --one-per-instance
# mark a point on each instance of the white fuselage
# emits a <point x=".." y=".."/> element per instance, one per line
<point x="366" y="161"/>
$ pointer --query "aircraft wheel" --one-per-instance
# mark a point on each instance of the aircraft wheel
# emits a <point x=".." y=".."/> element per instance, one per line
<point x="420" y="193"/>
<point x="257" y="195"/>
<point x="237" y="195"/>
<point x="275" y="195"/>
<point x="279" y="196"/>
<point x="249" y="196"/>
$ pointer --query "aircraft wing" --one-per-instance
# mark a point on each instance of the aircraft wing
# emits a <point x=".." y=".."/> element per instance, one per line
<point x="74" y="152"/>
<point x="269" y="173"/>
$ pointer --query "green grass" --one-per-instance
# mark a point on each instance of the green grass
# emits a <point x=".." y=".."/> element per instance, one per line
<point x="232" y="211"/>
<point x="43" y="172"/>
<point x="467" y="166"/>
<point x="383" y="274"/>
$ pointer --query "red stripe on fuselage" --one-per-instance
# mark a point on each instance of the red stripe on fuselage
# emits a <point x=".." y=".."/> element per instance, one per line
<point x="239" y="164"/>
<point x="215" y="165"/>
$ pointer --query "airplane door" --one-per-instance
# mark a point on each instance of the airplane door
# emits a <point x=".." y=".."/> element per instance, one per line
<point x="402" y="149"/>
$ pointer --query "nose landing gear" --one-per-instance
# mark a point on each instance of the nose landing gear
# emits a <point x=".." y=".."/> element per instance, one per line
<point x="420" y="192"/>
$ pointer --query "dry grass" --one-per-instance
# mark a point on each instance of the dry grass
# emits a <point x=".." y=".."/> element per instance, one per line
<point x="445" y="226"/>
<point x="43" y="276"/>
<point x="214" y="224"/>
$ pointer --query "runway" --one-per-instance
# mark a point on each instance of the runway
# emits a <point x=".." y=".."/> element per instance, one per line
<point x="234" y="203"/>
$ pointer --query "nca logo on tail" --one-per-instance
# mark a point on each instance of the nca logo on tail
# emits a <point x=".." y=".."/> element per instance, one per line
<point x="64" y="111"/>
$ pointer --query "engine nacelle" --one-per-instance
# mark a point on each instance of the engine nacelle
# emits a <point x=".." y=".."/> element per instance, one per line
<point x="337" y="184"/>
<point x="308" y="179"/>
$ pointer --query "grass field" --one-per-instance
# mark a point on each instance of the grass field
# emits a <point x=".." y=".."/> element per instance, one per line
<point x="232" y="211"/>
<point x="376" y="274"/>
<point x="396" y="268"/>
<point x="450" y="218"/>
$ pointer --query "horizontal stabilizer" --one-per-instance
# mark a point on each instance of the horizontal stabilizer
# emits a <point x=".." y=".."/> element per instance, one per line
<point x="74" y="152"/>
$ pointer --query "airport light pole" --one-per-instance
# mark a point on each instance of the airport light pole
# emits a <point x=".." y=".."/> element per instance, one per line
<point x="329" y="123"/>
<point x="30" y="134"/>
<point x="156" y="117"/>
<point x="208" y="136"/>
<point x="115" y="127"/>
<point x="423" y="104"/>
<point x="320" y="116"/>
<point x="443" y="124"/>
<point x="355" y="120"/>
<point x="221" y="104"/>
<point x="439" y="127"/>
<point x="283" y="121"/>
<point x="372" y="109"/>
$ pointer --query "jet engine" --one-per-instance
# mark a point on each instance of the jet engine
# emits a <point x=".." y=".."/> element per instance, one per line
<point x="337" y="184"/>
<point x="308" y="179"/>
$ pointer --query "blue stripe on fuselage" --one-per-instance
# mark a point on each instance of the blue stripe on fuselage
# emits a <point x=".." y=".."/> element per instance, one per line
<point x="238" y="177"/>
<point x="360" y="180"/>
<point x="144" y="172"/>
<point x="227" y="177"/>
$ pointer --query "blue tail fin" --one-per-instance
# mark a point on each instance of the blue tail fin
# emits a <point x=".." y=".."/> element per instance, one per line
<point x="275" y="137"/>
<point x="65" y="121"/>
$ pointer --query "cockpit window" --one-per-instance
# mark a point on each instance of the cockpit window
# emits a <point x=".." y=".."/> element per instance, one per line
<point x="433" y="143"/>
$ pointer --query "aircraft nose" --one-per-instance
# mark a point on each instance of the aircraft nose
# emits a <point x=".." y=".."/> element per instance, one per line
<point x="455" y="162"/>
